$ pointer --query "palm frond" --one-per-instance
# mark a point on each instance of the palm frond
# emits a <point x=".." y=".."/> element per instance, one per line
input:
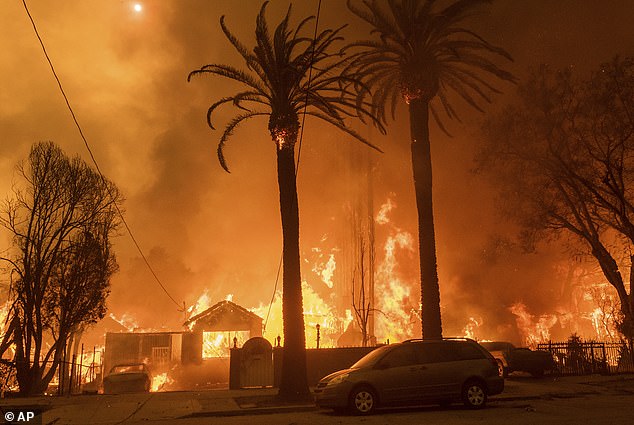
<point x="231" y="73"/>
<point x="413" y="34"/>
<point x="277" y="79"/>
<point x="438" y="121"/>
<point x="343" y="128"/>
<point x="237" y="100"/>
<point x="459" y="10"/>
<point x="249" y="58"/>
<point x="228" y="132"/>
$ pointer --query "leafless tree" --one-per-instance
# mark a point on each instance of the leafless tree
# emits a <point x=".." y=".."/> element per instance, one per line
<point x="362" y="289"/>
<point x="61" y="222"/>
<point x="563" y="157"/>
<point x="361" y="296"/>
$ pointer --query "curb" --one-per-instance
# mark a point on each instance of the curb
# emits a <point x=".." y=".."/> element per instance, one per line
<point x="253" y="411"/>
<point x="548" y="396"/>
<point x="311" y="408"/>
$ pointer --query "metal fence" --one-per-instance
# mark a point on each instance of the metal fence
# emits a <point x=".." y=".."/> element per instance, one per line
<point x="576" y="357"/>
<point x="83" y="373"/>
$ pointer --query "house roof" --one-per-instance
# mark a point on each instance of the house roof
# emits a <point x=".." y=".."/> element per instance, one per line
<point x="224" y="312"/>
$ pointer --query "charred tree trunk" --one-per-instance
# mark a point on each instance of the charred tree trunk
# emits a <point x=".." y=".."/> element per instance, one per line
<point x="610" y="270"/>
<point x="422" y="168"/>
<point x="294" y="384"/>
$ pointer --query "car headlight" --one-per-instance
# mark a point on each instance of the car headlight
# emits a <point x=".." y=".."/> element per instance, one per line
<point x="338" y="379"/>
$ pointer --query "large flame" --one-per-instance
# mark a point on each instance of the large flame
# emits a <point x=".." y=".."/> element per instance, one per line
<point x="397" y="314"/>
<point x="326" y="270"/>
<point x="471" y="328"/>
<point x="202" y="303"/>
<point x="127" y="321"/>
<point x="316" y="312"/>
<point x="534" y="330"/>
<point x="160" y="381"/>
<point x="382" y="215"/>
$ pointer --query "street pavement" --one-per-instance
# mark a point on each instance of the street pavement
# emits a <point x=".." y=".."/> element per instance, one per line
<point x="113" y="409"/>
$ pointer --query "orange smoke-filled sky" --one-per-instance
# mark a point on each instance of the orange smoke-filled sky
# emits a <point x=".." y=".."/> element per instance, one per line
<point x="203" y="229"/>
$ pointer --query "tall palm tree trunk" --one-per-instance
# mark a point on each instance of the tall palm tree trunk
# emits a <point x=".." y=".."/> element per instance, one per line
<point x="293" y="383"/>
<point x="421" y="164"/>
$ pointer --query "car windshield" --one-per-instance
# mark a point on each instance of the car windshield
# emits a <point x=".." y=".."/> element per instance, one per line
<point x="371" y="358"/>
<point x="128" y="368"/>
<point x="497" y="346"/>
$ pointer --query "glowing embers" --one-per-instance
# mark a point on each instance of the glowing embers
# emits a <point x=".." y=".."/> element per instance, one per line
<point x="284" y="131"/>
<point x="217" y="344"/>
<point x="281" y="138"/>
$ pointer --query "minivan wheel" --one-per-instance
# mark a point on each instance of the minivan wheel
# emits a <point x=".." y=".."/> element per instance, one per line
<point x="474" y="395"/>
<point x="362" y="400"/>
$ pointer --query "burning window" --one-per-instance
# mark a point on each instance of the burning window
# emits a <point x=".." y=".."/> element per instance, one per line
<point x="217" y="344"/>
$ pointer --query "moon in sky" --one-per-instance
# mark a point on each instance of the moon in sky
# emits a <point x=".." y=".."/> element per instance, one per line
<point x="138" y="7"/>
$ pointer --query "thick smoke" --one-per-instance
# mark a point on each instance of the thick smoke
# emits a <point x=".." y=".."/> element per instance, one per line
<point x="205" y="230"/>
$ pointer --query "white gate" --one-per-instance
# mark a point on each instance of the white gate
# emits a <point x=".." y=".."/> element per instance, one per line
<point x="256" y="363"/>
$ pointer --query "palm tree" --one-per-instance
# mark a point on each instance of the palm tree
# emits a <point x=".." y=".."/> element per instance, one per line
<point x="422" y="53"/>
<point x="288" y="74"/>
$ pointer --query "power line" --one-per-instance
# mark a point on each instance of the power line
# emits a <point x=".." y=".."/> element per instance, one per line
<point x="94" y="161"/>
<point x="310" y="80"/>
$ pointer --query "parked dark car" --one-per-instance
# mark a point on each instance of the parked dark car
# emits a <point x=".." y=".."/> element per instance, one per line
<point x="127" y="378"/>
<point x="510" y="359"/>
<point x="413" y="372"/>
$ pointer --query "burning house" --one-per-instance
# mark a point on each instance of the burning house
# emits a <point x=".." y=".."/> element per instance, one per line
<point x="159" y="350"/>
<point x="223" y="325"/>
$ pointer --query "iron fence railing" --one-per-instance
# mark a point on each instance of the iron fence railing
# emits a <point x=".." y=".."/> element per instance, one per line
<point x="576" y="357"/>
<point x="82" y="373"/>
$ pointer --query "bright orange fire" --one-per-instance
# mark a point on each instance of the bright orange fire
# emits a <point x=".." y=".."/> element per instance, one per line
<point x="394" y="320"/>
<point x="534" y="330"/>
<point x="316" y="311"/>
<point x="471" y="328"/>
<point x="326" y="270"/>
<point x="127" y="321"/>
<point x="159" y="382"/>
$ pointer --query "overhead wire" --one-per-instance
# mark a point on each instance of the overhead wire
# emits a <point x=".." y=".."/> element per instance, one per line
<point x="94" y="161"/>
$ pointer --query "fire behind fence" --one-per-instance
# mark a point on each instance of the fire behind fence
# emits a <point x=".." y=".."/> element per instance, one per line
<point x="576" y="357"/>
<point x="83" y="373"/>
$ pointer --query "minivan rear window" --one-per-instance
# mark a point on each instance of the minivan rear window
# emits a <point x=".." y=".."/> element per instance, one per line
<point x="371" y="358"/>
<point x="402" y="355"/>
<point x="447" y="351"/>
<point x="468" y="351"/>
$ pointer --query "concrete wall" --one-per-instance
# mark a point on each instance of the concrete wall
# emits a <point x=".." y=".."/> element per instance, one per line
<point x="324" y="361"/>
<point x="319" y="363"/>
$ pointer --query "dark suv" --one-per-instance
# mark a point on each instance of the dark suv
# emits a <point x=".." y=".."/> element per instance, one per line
<point x="414" y="372"/>
<point x="511" y="359"/>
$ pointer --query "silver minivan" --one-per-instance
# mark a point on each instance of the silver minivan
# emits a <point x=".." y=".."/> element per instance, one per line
<point x="414" y="372"/>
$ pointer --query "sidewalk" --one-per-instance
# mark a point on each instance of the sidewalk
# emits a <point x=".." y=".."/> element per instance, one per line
<point x="112" y="409"/>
